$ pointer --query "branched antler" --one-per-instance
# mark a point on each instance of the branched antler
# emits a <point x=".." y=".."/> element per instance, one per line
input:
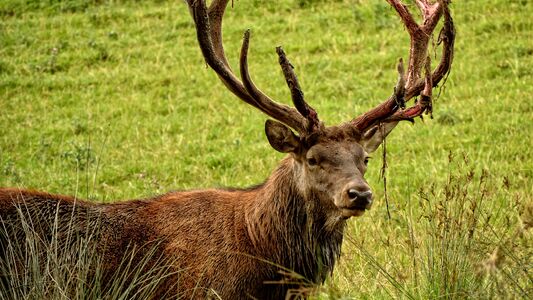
<point x="411" y="84"/>
<point x="209" y="32"/>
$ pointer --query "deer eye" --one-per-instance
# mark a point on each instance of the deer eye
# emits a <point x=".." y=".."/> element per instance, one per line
<point x="366" y="160"/>
<point x="312" y="161"/>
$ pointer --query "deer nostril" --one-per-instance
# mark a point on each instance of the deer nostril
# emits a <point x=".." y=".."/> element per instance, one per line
<point x="352" y="194"/>
<point x="368" y="197"/>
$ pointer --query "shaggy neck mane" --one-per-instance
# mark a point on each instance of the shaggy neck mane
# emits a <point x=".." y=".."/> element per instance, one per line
<point x="290" y="229"/>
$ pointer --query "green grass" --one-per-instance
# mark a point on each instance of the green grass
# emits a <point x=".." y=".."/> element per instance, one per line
<point x="68" y="265"/>
<point x="112" y="100"/>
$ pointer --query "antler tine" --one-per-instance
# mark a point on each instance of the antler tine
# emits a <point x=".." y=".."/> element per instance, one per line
<point x="418" y="59"/>
<point x="296" y="92"/>
<point x="423" y="105"/>
<point x="209" y="32"/>
<point x="447" y="39"/>
<point x="285" y="114"/>
<point x="383" y="110"/>
<point x="420" y="34"/>
<point x="214" y="56"/>
<point x="216" y="14"/>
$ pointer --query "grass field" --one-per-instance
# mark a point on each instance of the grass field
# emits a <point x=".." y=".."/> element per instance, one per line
<point x="112" y="100"/>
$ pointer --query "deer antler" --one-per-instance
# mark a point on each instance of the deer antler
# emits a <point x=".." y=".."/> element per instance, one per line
<point x="208" y="22"/>
<point x="412" y="85"/>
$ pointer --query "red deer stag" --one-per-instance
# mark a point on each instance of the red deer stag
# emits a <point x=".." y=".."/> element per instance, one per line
<point x="242" y="243"/>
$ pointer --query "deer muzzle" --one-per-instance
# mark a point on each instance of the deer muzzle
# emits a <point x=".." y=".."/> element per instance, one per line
<point x="356" y="198"/>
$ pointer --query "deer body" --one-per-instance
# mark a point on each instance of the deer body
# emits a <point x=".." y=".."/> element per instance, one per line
<point x="237" y="247"/>
<point x="267" y="242"/>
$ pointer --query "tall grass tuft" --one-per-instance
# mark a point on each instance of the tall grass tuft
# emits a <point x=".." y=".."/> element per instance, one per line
<point x="469" y="239"/>
<point x="67" y="264"/>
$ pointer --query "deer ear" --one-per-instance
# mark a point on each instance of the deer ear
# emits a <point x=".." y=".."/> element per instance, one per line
<point x="374" y="136"/>
<point x="281" y="137"/>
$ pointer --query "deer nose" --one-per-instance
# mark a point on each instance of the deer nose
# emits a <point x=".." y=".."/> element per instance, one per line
<point x="360" y="198"/>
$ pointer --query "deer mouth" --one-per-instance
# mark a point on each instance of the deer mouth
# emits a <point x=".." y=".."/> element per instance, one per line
<point x="354" y="211"/>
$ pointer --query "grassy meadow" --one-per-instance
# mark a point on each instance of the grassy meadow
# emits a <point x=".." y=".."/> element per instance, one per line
<point x="111" y="100"/>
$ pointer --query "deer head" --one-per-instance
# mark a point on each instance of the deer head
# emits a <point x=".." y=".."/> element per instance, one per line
<point x="330" y="162"/>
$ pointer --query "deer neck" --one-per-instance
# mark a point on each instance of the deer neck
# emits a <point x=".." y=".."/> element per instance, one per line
<point x="289" y="226"/>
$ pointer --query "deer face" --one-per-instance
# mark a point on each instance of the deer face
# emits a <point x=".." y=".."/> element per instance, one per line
<point x="331" y="164"/>
<point x="336" y="169"/>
